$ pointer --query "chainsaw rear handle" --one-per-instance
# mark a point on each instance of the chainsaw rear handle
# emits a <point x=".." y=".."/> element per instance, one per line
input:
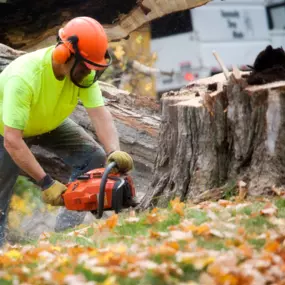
<point x="104" y="179"/>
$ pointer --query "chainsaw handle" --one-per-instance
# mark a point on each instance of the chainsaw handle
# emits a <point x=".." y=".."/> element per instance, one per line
<point x="104" y="179"/>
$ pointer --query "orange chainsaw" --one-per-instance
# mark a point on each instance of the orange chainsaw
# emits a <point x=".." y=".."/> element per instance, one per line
<point x="99" y="190"/>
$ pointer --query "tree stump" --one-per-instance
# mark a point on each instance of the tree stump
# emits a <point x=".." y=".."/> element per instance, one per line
<point x="214" y="132"/>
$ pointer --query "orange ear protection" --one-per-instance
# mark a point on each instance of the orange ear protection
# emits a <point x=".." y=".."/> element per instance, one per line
<point x="64" y="49"/>
<point x="61" y="53"/>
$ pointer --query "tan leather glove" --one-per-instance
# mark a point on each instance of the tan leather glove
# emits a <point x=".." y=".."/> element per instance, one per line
<point x="124" y="161"/>
<point x="53" y="194"/>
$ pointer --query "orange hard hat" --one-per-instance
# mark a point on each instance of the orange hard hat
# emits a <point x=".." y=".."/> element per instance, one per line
<point x="92" y="40"/>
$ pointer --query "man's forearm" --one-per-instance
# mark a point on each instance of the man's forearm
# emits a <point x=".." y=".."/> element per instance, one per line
<point x="105" y="128"/>
<point x="108" y="136"/>
<point x="24" y="158"/>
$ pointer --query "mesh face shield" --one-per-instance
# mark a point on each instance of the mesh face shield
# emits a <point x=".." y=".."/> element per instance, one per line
<point x="84" y="72"/>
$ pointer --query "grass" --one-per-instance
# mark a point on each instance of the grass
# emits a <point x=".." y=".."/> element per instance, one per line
<point x="280" y="204"/>
<point x="211" y="243"/>
<point x="198" y="216"/>
<point x="257" y="224"/>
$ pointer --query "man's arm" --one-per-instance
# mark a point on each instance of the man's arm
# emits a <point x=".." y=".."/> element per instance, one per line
<point x="106" y="131"/>
<point x="21" y="154"/>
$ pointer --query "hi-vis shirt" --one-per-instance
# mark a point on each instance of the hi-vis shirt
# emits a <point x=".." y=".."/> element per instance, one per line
<point x="33" y="100"/>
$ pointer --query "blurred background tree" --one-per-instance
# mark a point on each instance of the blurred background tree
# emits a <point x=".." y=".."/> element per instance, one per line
<point x="133" y="62"/>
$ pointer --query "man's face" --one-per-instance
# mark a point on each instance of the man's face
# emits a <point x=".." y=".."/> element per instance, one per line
<point x="80" y="71"/>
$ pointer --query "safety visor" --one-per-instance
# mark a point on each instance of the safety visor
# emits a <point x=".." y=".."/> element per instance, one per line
<point x="85" y="73"/>
<point x="107" y="61"/>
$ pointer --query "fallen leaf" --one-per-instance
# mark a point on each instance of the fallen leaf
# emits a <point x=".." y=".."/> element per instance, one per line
<point x="279" y="191"/>
<point x="216" y="233"/>
<point x="165" y="250"/>
<point x="157" y="235"/>
<point x="242" y="190"/>
<point x="203" y="229"/>
<point x="269" y="210"/>
<point x="132" y="220"/>
<point x="112" y="221"/>
<point x="246" y="250"/>
<point x="177" y="206"/>
<point x="224" y="203"/>
<point x="13" y="254"/>
<point x="206" y="279"/>
<point x="153" y="217"/>
<point x="272" y="246"/>
<point x="180" y="235"/>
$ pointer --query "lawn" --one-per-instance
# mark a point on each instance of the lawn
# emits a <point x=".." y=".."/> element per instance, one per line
<point x="224" y="242"/>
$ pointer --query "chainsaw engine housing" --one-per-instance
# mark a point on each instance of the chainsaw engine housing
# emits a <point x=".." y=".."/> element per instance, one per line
<point x="83" y="194"/>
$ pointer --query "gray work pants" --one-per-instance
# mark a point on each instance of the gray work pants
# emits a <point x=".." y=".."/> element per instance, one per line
<point x="77" y="149"/>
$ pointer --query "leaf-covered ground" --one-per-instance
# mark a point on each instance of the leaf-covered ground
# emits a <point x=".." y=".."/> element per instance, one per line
<point x="224" y="242"/>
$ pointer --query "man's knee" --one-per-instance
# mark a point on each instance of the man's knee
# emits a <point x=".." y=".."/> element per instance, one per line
<point x="98" y="159"/>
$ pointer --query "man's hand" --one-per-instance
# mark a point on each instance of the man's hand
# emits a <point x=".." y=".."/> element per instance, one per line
<point x="123" y="160"/>
<point x="52" y="191"/>
<point x="53" y="194"/>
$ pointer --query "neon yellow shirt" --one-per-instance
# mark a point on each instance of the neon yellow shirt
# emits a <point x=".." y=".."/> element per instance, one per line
<point x="33" y="100"/>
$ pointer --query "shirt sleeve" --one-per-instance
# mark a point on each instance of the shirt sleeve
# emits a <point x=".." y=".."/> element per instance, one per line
<point x="91" y="97"/>
<point x="16" y="103"/>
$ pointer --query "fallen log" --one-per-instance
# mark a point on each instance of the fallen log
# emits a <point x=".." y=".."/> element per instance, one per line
<point x="30" y="25"/>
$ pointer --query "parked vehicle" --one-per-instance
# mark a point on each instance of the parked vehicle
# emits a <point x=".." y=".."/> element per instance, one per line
<point x="237" y="29"/>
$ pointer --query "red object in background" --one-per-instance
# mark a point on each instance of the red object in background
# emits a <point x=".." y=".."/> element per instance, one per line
<point x="189" y="76"/>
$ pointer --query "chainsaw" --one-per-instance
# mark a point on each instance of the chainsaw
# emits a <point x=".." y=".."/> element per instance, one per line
<point x="99" y="190"/>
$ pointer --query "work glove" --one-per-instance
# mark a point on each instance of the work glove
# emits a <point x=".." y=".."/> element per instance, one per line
<point x="123" y="160"/>
<point x="52" y="191"/>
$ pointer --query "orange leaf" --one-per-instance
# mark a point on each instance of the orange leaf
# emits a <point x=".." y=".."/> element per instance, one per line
<point x="202" y="230"/>
<point x="272" y="246"/>
<point x="153" y="217"/>
<point x="241" y="231"/>
<point x="224" y="203"/>
<point x="112" y="221"/>
<point x="177" y="206"/>
<point x="172" y="244"/>
<point x="157" y="235"/>
<point x="154" y="211"/>
<point x="246" y="250"/>
<point x="166" y="250"/>
<point x="229" y="279"/>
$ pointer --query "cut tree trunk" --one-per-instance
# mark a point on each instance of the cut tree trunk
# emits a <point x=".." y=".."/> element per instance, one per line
<point x="216" y="132"/>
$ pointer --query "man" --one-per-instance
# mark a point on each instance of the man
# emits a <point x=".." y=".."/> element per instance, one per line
<point x="38" y="91"/>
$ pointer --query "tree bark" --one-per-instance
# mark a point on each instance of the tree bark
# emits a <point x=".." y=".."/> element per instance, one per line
<point x="209" y="139"/>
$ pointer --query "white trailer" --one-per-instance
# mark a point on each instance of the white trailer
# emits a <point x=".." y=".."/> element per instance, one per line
<point x="237" y="29"/>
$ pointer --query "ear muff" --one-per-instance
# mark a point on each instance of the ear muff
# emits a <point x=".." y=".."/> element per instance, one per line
<point x="61" y="53"/>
